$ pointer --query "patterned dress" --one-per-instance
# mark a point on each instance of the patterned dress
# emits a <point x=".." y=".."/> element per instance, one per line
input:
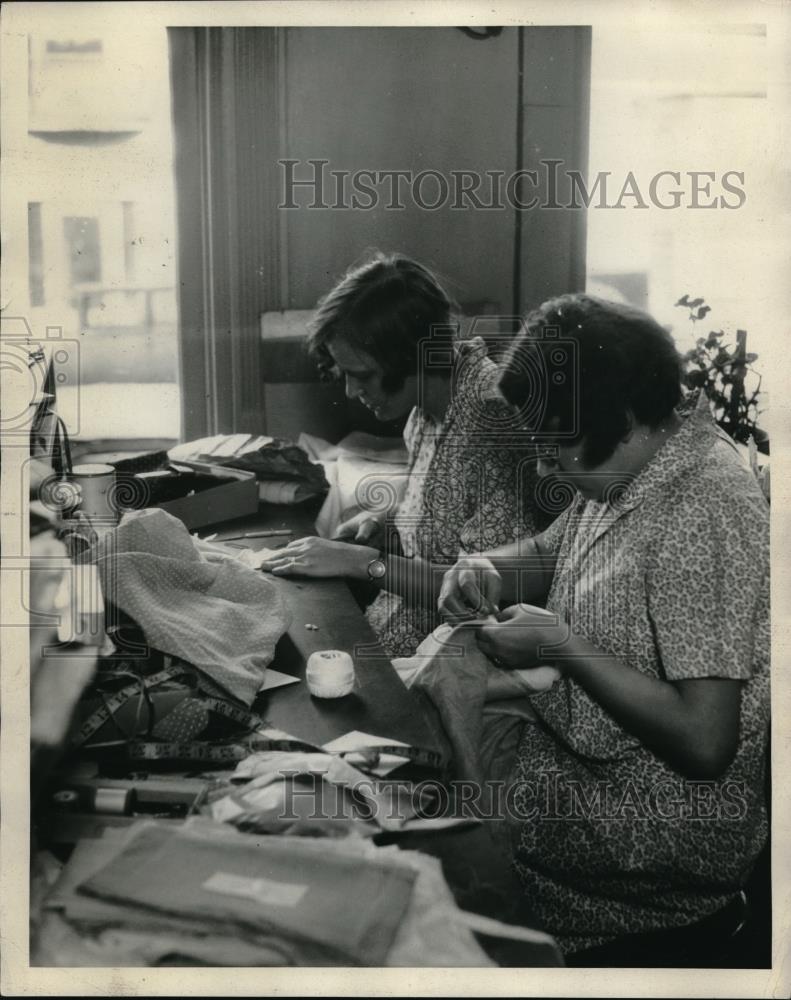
<point x="472" y="486"/>
<point x="673" y="580"/>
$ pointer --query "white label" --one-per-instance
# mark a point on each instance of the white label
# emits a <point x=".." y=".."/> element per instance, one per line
<point x="262" y="890"/>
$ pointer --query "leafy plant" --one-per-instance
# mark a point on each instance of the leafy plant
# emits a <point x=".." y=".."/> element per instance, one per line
<point x="722" y="370"/>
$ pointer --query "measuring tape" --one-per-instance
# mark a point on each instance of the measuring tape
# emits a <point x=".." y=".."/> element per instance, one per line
<point x="220" y="755"/>
<point x="111" y="705"/>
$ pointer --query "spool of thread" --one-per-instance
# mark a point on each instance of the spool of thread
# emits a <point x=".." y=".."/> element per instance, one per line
<point x="113" y="801"/>
<point x="330" y="673"/>
<point x="95" y="482"/>
<point x="66" y="799"/>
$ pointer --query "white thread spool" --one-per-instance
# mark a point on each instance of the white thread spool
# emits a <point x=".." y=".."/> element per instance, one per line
<point x="113" y="801"/>
<point x="95" y="482"/>
<point x="330" y="673"/>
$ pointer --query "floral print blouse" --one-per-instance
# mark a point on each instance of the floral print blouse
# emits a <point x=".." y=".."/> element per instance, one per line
<point x="671" y="578"/>
<point x="472" y="485"/>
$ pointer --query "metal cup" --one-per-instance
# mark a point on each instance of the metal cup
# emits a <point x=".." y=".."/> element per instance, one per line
<point x="96" y="482"/>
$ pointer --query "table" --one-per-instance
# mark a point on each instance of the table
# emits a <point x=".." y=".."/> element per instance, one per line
<point x="476" y="871"/>
<point x="379" y="704"/>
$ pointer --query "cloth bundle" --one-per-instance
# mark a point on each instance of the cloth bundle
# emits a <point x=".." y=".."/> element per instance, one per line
<point x="284" y="471"/>
<point x="268" y="796"/>
<point x="463" y="686"/>
<point x="262" y="886"/>
<point x="219" y="616"/>
<point x="417" y="925"/>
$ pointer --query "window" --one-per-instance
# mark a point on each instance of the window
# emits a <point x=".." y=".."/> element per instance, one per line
<point x="679" y="101"/>
<point x="35" y="254"/>
<point x="84" y="253"/>
<point x="97" y="158"/>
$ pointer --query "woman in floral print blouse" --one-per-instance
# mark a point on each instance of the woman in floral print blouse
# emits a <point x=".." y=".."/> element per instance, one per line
<point x="388" y="330"/>
<point x="638" y="806"/>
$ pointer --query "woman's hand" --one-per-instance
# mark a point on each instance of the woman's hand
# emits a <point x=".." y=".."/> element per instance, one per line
<point x="471" y="588"/>
<point x="320" y="557"/>
<point x="364" y="528"/>
<point x="521" y="632"/>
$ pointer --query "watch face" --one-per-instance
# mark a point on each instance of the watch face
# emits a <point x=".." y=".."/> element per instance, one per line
<point x="376" y="569"/>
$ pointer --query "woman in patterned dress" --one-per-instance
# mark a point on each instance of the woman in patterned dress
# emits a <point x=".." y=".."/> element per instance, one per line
<point x="638" y="800"/>
<point x="389" y="330"/>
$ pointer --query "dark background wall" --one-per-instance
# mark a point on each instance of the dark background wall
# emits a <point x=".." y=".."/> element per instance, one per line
<point x="362" y="98"/>
<point x="408" y="99"/>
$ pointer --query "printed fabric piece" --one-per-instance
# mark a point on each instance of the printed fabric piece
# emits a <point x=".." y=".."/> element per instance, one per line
<point x="462" y="493"/>
<point x="672" y="579"/>
<point x="263" y="885"/>
<point x="220" y="616"/>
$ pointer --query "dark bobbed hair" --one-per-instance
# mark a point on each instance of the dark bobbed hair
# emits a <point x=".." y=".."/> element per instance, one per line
<point x="384" y="307"/>
<point x="627" y="365"/>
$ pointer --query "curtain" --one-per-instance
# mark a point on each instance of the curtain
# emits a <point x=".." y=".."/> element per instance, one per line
<point x="225" y="94"/>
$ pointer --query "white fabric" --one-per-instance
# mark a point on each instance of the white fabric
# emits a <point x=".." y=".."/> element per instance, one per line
<point x="451" y="641"/>
<point x="364" y="472"/>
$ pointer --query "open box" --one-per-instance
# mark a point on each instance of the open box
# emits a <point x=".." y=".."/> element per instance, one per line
<point x="210" y="494"/>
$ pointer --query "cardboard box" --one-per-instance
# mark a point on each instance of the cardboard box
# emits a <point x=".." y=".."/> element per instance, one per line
<point x="220" y="495"/>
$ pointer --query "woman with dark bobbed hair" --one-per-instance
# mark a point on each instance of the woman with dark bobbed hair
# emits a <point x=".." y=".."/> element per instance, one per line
<point x="389" y="330"/>
<point x="637" y="798"/>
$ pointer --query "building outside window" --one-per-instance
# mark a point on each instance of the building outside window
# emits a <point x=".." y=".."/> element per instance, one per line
<point x="97" y="159"/>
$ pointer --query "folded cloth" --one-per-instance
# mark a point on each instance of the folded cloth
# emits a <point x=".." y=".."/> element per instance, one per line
<point x="463" y="685"/>
<point x="432" y="931"/>
<point x="219" y="616"/>
<point x="260" y="886"/>
<point x="261" y="803"/>
<point x="271" y="459"/>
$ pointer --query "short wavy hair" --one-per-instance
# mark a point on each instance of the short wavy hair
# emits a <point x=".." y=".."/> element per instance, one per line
<point x="384" y="307"/>
<point x="627" y="365"/>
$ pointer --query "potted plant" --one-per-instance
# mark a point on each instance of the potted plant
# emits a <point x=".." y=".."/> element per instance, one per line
<point x="724" y="371"/>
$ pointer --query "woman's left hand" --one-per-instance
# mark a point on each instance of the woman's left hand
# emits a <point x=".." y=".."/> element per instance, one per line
<point x="320" y="557"/>
<point x="522" y="637"/>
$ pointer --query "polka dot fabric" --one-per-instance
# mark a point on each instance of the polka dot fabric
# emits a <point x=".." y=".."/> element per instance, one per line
<point x="223" y="618"/>
<point x="184" y="723"/>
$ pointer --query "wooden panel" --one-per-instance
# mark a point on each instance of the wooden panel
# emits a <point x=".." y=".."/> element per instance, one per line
<point x="402" y="99"/>
<point x="551" y="54"/>
<point x="548" y="234"/>
<point x="378" y="99"/>
<point x="555" y="110"/>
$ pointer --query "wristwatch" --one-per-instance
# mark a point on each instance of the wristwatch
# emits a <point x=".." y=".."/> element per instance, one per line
<point x="376" y="568"/>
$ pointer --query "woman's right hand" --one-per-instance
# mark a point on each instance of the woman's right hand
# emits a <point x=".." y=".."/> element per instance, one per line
<point x="470" y="589"/>
<point x="364" y="528"/>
